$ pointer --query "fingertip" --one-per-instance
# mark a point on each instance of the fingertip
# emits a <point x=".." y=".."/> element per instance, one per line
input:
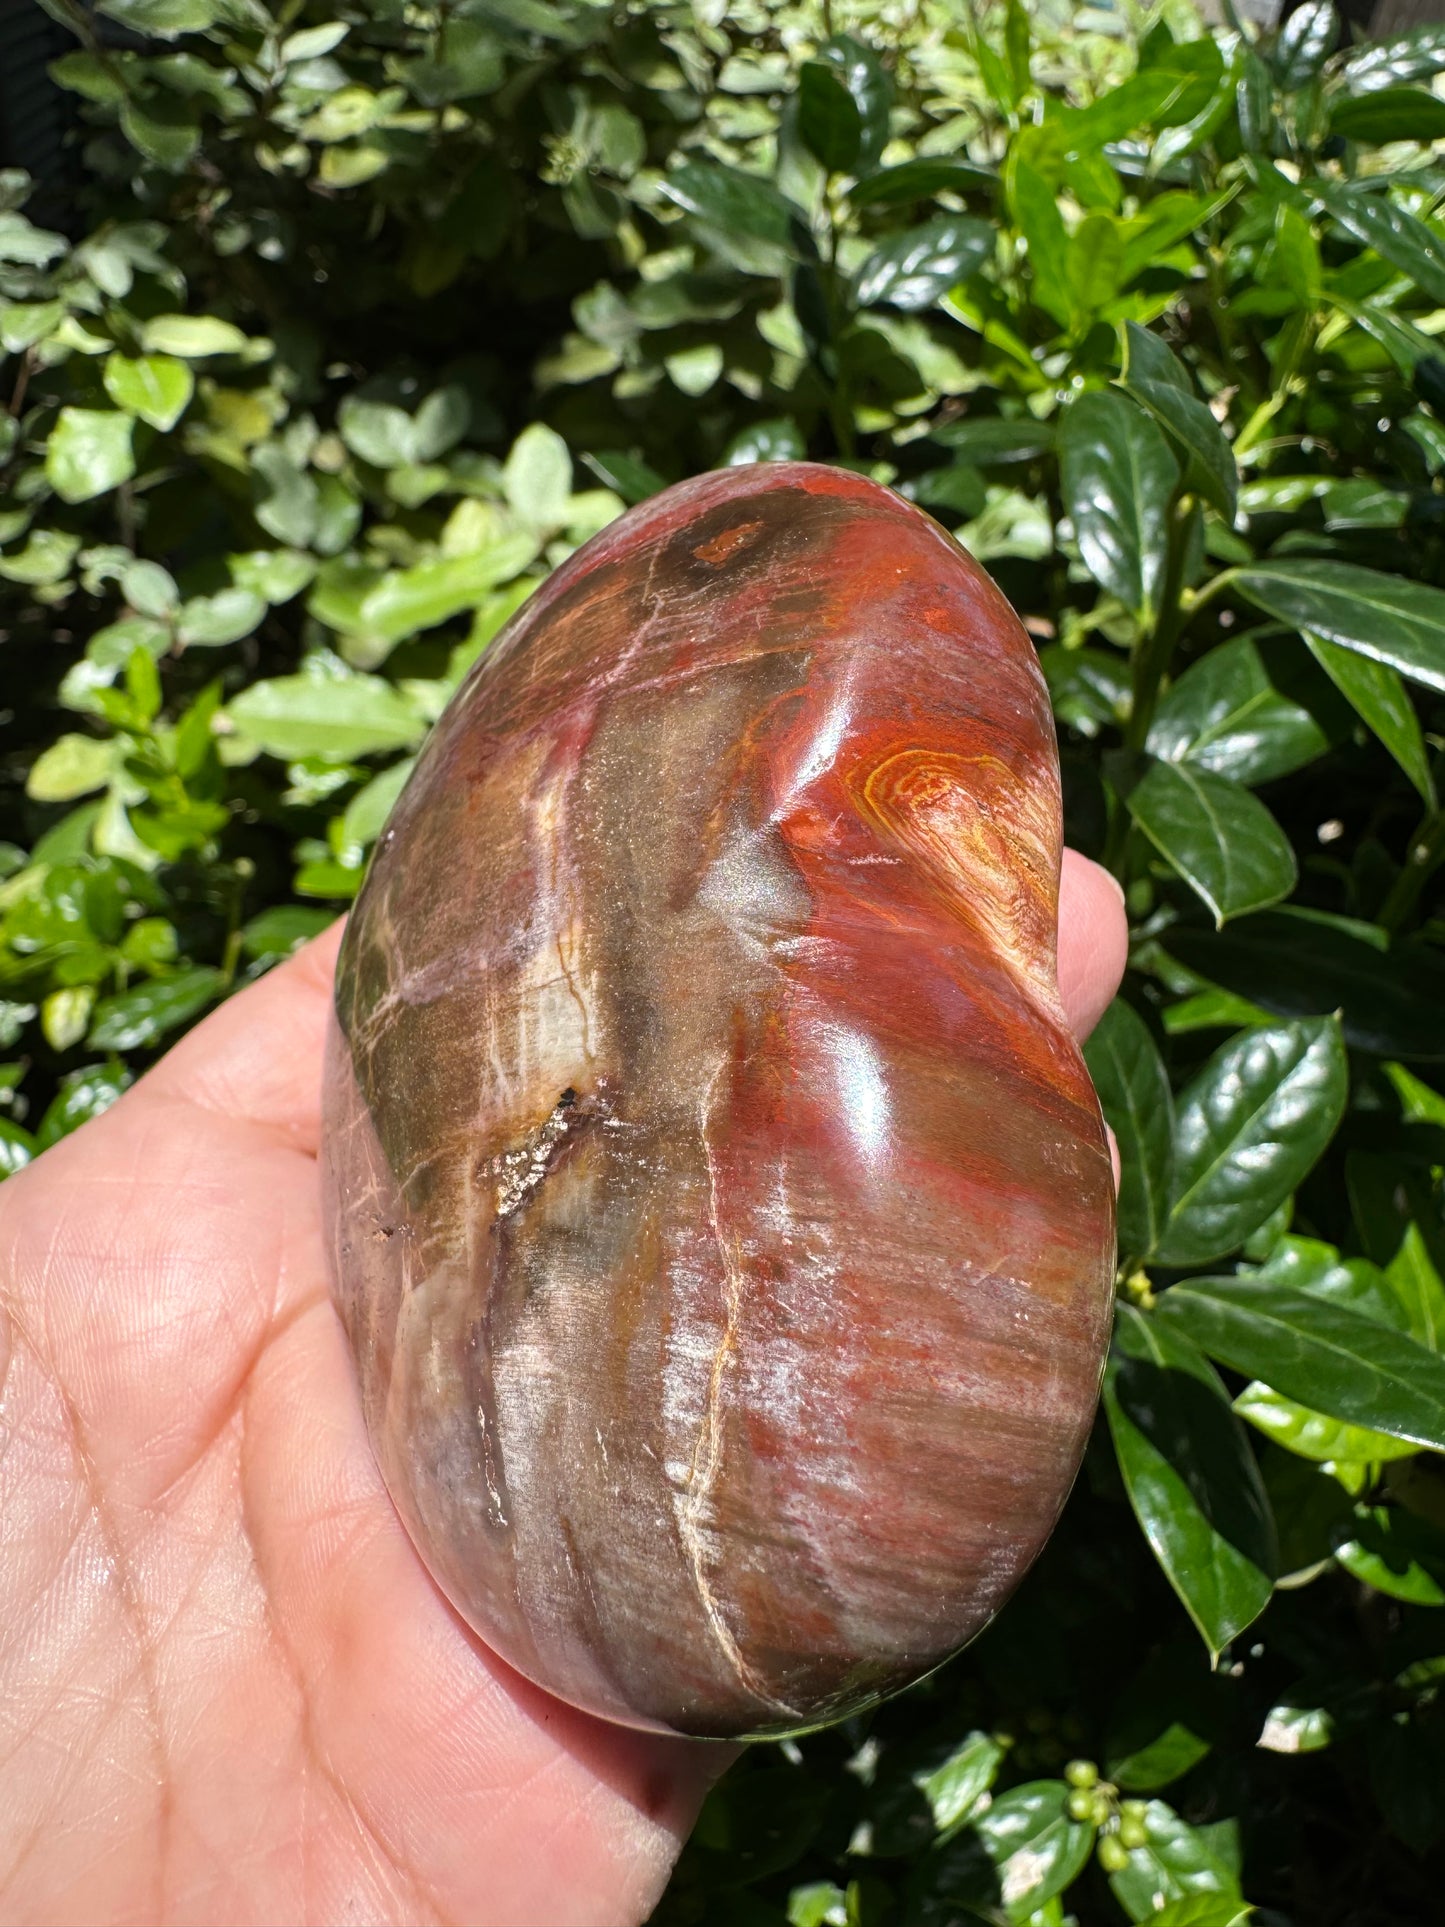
<point x="1093" y="940"/>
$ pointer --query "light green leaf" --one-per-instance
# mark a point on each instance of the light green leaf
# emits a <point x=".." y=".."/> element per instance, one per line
<point x="1153" y="376"/>
<point x="158" y="388"/>
<point x="537" y="477"/>
<point x="1385" y="617"/>
<point x="337" y="718"/>
<point x="193" y="337"/>
<point x="72" y="766"/>
<point x="89" y="452"/>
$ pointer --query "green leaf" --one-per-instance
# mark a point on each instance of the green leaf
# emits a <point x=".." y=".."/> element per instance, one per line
<point x="929" y="1791"/>
<point x="1248" y="1128"/>
<point x="1133" y="1089"/>
<point x="986" y="439"/>
<point x="83" y="1094"/>
<point x="1384" y="617"/>
<point x="1190" y="1476"/>
<point x="1118" y="475"/>
<point x="731" y="201"/>
<point x="1220" y="839"/>
<point x="1177" y="1863"/>
<point x="141" y="1017"/>
<point x="166" y="19"/>
<point x="828" y="118"/>
<point x="409" y="601"/>
<point x="72" y="766"/>
<point x="158" y="388"/>
<point x="1380" y="699"/>
<point x="1390" y="114"/>
<point x="17" y="1148"/>
<point x="46" y="558"/>
<point x="1416" y="55"/>
<point x="538" y="478"/>
<point x="1204" y="1910"/>
<point x="1036" y="213"/>
<point x="1250" y="710"/>
<point x="1089" y="688"/>
<point x="632" y="478"/>
<point x="211" y="620"/>
<point x="194" y="337"/>
<point x="1319" y="1353"/>
<point x="298" y="716"/>
<point x="1298" y="962"/>
<point x="1154" y="377"/>
<point x="774" y="441"/>
<point x="1397" y="236"/>
<point x="912" y="269"/>
<point x="1035" y="1849"/>
<point x="1312" y="1435"/>
<point x="1396" y="1553"/>
<point x="89" y="452"/>
<point x="870" y="86"/>
<point x="920" y="179"/>
<point x="368" y="810"/>
<point x="1303" y="44"/>
<point x="277" y="932"/>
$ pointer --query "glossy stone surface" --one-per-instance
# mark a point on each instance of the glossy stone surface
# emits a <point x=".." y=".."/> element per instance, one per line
<point x="721" y="1212"/>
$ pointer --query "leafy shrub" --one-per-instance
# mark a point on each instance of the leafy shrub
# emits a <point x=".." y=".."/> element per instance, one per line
<point x="376" y="314"/>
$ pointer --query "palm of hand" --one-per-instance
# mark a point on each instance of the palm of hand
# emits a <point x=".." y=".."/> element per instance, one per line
<point x="230" y="1690"/>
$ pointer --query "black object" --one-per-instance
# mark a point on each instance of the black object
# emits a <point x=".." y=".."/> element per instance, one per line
<point x="38" y="119"/>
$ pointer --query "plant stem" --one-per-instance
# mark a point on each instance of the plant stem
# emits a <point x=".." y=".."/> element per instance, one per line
<point x="1152" y="659"/>
<point x="1425" y="855"/>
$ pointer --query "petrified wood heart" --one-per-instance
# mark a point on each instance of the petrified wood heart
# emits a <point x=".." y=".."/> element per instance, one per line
<point x="721" y="1212"/>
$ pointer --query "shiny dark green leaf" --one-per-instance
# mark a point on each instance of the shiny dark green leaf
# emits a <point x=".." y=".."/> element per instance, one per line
<point x="1118" y="474"/>
<point x="867" y="81"/>
<point x="1400" y="237"/>
<point x="1249" y="710"/>
<point x="828" y="119"/>
<point x="137" y="1018"/>
<point x="912" y="269"/>
<point x="630" y="477"/>
<point x="1303" y="44"/>
<point x="1089" y="688"/>
<point x="1380" y="699"/>
<point x="1190" y="1476"/>
<point x="83" y="1094"/>
<point x="1247" y="1129"/>
<point x="1416" y="55"/>
<point x="1321" y="1354"/>
<point x="1220" y="839"/>
<point x="1384" y="617"/>
<point x="1177" y="1865"/>
<point x="1153" y="376"/>
<point x="1396" y="1553"/>
<point x="920" y="179"/>
<point x="1302" y="963"/>
<point x="1391" y="114"/>
<point x="1133" y="1089"/>
<point x="734" y="202"/>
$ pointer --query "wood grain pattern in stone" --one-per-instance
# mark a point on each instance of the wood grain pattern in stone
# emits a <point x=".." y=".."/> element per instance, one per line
<point x="721" y="1213"/>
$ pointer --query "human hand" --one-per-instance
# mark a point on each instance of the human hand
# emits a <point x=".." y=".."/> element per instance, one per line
<point x="229" y="1689"/>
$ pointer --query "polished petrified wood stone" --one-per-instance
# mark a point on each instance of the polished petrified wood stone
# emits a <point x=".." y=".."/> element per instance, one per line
<point x="721" y="1212"/>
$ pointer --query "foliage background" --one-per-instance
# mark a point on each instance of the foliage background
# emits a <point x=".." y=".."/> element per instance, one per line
<point x="374" y="311"/>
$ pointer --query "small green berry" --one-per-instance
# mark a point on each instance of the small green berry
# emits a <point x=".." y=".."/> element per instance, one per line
<point x="1081" y="1804"/>
<point x="1132" y="1832"/>
<point x="1100" y="1807"/>
<point x="1113" y="1854"/>
<point x="1081" y="1773"/>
